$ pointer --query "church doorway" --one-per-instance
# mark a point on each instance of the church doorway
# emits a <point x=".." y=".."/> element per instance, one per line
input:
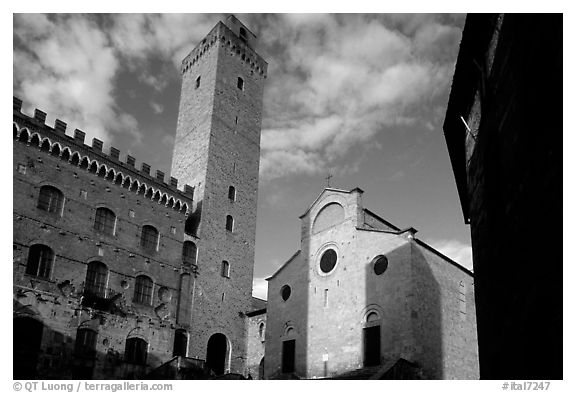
<point x="288" y="356"/>
<point x="216" y="353"/>
<point x="27" y="339"/>
<point x="371" y="346"/>
<point x="261" y="369"/>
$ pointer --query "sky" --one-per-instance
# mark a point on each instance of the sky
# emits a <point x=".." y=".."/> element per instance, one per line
<point x="360" y="97"/>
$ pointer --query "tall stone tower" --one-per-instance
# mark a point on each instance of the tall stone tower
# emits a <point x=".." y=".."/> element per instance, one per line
<point x="217" y="151"/>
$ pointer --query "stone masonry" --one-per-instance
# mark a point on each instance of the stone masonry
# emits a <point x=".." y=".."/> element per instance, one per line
<point x="423" y="301"/>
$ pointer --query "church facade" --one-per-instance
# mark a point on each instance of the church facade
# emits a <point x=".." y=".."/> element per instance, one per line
<point x="364" y="299"/>
<point x="123" y="273"/>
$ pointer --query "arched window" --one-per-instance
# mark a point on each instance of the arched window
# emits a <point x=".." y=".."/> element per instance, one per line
<point x="136" y="351"/>
<point x="96" y="278"/>
<point x="51" y="200"/>
<point x="261" y="330"/>
<point x="180" y="343"/>
<point x="189" y="253"/>
<point x="105" y="221"/>
<point x="240" y="83"/>
<point x="143" y="290"/>
<point x="371" y="339"/>
<point x="229" y="223"/>
<point x="232" y="193"/>
<point x="197" y="82"/>
<point x="40" y="258"/>
<point x="243" y="36"/>
<point x="85" y="343"/>
<point x="225" y="271"/>
<point x="149" y="239"/>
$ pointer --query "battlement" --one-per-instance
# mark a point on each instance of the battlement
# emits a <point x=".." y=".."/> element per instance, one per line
<point x="222" y="35"/>
<point x="53" y="140"/>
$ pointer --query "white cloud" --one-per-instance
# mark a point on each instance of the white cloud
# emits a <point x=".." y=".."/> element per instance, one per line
<point x="67" y="69"/>
<point x="335" y="81"/>
<point x="260" y="288"/>
<point x="456" y="250"/>
<point x="342" y="80"/>
<point x="156" y="107"/>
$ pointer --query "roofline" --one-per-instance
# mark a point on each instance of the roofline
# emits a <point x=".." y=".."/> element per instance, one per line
<point x="447" y="259"/>
<point x="381" y="219"/>
<point x="284" y="265"/>
<point x="357" y="189"/>
<point x="255" y="312"/>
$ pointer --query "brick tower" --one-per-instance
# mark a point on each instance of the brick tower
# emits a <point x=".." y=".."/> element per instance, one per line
<point x="217" y="151"/>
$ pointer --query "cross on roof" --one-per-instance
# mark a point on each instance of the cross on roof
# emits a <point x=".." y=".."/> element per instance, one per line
<point x="328" y="179"/>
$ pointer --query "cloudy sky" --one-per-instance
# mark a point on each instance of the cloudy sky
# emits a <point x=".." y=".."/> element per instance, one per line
<point x="362" y="97"/>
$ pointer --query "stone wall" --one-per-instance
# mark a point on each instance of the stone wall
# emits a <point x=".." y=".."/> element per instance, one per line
<point x="57" y="300"/>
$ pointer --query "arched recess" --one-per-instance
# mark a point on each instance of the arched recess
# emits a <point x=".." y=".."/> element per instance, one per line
<point x="35" y="140"/>
<point x="24" y="136"/>
<point x="217" y="353"/>
<point x="329" y="215"/>
<point x="45" y="146"/>
<point x="65" y="156"/>
<point x="27" y="340"/>
<point x="56" y="150"/>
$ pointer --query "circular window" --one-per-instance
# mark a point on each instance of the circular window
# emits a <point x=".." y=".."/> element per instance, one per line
<point x="328" y="261"/>
<point x="285" y="292"/>
<point x="380" y="264"/>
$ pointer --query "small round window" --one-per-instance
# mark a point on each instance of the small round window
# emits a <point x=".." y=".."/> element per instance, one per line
<point x="285" y="292"/>
<point x="380" y="264"/>
<point x="328" y="261"/>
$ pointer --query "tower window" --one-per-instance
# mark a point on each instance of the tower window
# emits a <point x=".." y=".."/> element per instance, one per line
<point x="105" y="221"/>
<point x="225" y="271"/>
<point x="285" y="292"/>
<point x="229" y="223"/>
<point x="51" y="200"/>
<point x="143" y="290"/>
<point x="96" y="277"/>
<point x="240" y="83"/>
<point x="243" y="36"/>
<point x="149" y="239"/>
<point x="197" y="82"/>
<point x="232" y="193"/>
<point x="261" y="330"/>
<point x="40" y="259"/>
<point x="189" y="253"/>
<point x="136" y="351"/>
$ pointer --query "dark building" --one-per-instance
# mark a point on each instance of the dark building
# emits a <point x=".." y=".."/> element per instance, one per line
<point x="123" y="273"/>
<point x="503" y="129"/>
